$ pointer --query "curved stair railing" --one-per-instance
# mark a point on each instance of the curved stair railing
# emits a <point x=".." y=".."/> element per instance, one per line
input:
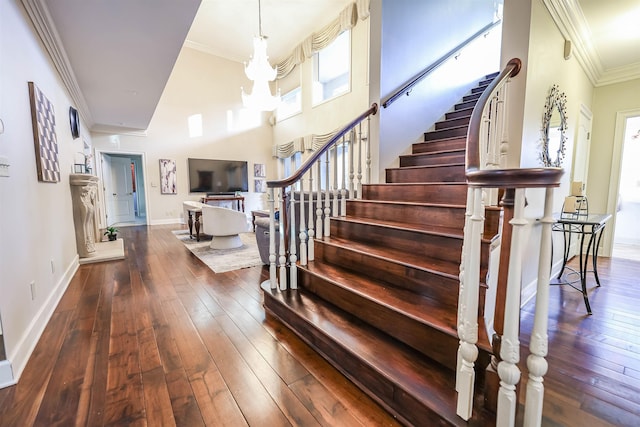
<point x="487" y="147"/>
<point x="342" y="179"/>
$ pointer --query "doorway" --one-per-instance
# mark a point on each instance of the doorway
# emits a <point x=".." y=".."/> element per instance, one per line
<point x="626" y="236"/>
<point x="124" y="194"/>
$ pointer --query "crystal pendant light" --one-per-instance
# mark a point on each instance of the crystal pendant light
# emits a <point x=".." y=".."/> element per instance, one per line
<point x="261" y="73"/>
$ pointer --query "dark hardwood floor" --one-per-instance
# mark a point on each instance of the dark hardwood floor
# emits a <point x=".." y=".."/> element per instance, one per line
<point x="158" y="339"/>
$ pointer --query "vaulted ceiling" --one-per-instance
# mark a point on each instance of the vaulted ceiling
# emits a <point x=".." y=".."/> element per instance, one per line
<point x="115" y="56"/>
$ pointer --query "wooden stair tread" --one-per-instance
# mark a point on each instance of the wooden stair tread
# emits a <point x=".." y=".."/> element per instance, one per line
<point x="442" y="205"/>
<point x="454" y="233"/>
<point x="426" y="381"/>
<point x="417" y="307"/>
<point x="444" y="165"/>
<point x="433" y="153"/>
<point x="417" y="261"/>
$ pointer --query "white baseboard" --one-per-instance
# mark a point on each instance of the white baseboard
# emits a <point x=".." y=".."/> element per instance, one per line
<point x="165" y="221"/>
<point x="531" y="289"/>
<point x="19" y="358"/>
<point x="6" y="374"/>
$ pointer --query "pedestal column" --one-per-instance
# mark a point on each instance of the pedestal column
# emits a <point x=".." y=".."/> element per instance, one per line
<point x="84" y="190"/>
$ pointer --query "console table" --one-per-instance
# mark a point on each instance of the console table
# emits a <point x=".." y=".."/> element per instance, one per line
<point x="583" y="225"/>
<point x="238" y="200"/>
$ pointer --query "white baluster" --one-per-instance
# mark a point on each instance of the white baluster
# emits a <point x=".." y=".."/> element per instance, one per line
<point x="293" y="268"/>
<point x="536" y="362"/>
<point x="282" y="259"/>
<point x="327" y="197"/>
<point x="343" y="191"/>
<point x="468" y="323"/>
<point x="334" y="188"/>
<point x="319" y="202"/>
<point x="464" y="258"/>
<point x="504" y="138"/>
<point x="272" y="240"/>
<point x="359" y="189"/>
<point x="303" y="230"/>
<point x="352" y="146"/>
<point x="510" y="344"/>
<point x="310" y="229"/>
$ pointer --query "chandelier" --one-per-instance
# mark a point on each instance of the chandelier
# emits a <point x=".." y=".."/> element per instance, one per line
<point x="261" y="73"/>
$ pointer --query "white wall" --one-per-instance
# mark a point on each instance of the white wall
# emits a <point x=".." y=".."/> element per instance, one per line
<point x="36" y="221"/>
<point x="199" y="84"/>
<point x="415" y="34"/>
<point x="541" y="50"/>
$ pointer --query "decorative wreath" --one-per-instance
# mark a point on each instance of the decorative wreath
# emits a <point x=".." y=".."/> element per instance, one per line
<point x="555" y="100"/>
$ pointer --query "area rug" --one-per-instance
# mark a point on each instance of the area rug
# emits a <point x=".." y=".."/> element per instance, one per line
<point x="221" y="260"/>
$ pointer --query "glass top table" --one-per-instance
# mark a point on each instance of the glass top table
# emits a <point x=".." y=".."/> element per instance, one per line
<point x="590" y="226"/>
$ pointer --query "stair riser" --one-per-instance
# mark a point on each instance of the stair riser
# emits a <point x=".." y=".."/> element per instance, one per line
<point x="435" y="286"/>
<point x="445" y="133"/>
<point x="379" y="388"/>
<point x="459" y="121"/>
<point x="455" y="193"/>
<point x="479" y="89"/>
<point x="440" y="247"/>
<point x="453" y="173"/>
<point x="465" y="105"/>
<point x="444" y="216"/>
<point x="444" y="144"/>
<point x="428" y="159"/>
<point x="459" y="113"/>
<point x="472" y="97"/>
<point x="415" y="334"/>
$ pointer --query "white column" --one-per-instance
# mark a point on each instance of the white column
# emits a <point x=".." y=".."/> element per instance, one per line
<point x="310" y="230"/>
<point x="293" y="268"/>
<point x="536" y="362"/>
<point x="319" y="202"/>
<point x="468" y="320"/>
<point x="272" y="240"/>
<point x="327" y="197"/>
<point x="303" y="231"/>
<point x="510" y="344"/>
<point x="282" y="258"/>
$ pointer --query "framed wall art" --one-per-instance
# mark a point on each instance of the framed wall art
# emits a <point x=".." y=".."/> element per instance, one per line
<point x="43" y="121"/>
<point x="259" y="170"/>
<point x="260" y="185"/>
<point x="168" y="182"/>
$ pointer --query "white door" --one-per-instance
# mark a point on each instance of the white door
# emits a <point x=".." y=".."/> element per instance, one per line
<point x="120" y="206"/>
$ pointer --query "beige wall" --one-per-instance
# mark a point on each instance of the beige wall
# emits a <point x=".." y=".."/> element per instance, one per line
<point x="537" y="41"/>
<point x="199" y="84"/>
<point x="337" y="112"/>
<point x="36" y="219"/>
<point x="604" y="167"/>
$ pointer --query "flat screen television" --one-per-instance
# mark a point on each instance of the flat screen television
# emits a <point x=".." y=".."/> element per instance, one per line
<point x="218" y="176"/>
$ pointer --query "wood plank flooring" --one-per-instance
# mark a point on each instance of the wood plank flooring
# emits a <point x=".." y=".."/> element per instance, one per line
<point x="158" y="339"/>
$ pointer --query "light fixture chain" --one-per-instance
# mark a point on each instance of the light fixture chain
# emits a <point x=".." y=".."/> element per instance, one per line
<point x="259" y="19"/>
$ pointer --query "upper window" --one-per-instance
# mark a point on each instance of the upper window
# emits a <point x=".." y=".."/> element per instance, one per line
<point x="291" y="101"/>
<point x="331" y="69"/>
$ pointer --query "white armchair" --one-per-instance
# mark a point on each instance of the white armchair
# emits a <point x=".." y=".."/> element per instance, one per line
<point x="224" y="225"/>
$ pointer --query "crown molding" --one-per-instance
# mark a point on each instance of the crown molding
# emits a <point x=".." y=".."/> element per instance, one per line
<point x="46" y="30"/>
<point x="570" y="20"/>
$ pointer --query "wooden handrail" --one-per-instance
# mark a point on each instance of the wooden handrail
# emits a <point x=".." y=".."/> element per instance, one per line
<point x="501" y="178"/>
<point x="408" y="86"/>
<point x="281" y="183"/>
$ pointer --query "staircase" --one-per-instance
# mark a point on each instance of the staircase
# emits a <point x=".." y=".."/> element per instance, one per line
<point x="380" y="300"/>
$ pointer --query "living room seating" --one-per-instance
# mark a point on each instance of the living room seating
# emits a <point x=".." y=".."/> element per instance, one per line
<point x="224" y="225"/>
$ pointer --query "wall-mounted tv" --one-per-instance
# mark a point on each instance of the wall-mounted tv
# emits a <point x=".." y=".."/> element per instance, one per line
<point x="218" y="176"/>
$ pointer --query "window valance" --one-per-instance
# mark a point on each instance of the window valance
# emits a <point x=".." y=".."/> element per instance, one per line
<point x="347" y="19"/>
<point x="311" y="142"/>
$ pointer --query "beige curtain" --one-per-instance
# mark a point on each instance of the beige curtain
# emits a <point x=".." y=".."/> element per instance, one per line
<point x="347" y="19"/>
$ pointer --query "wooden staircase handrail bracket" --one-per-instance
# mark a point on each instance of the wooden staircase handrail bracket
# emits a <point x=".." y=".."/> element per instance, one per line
<point x="487" y="146"/>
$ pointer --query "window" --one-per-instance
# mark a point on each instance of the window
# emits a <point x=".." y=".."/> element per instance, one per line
<point x="342" y="158"/>
<point x="331" y="69"/>
<point x="290" y="165"/>
<point x="291" y="101"/>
